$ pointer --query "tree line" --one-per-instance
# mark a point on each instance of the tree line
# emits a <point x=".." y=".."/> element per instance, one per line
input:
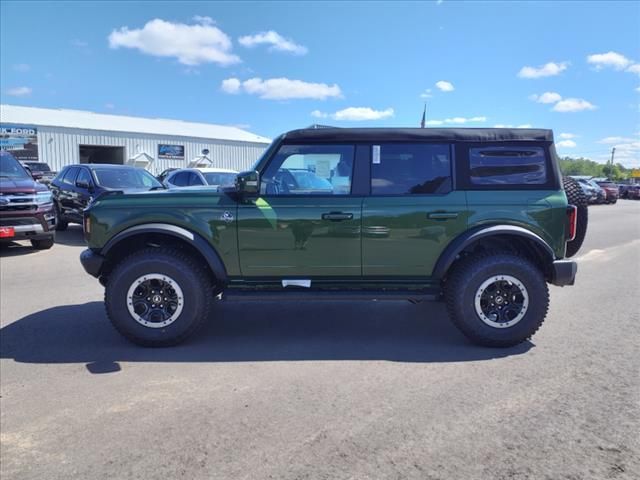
<point x="584" y="166"/>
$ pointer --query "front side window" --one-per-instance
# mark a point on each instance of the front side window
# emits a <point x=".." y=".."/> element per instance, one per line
<point x="410" y="169"/>
<point x="220" y="178"/>
<point x="194" y="179"/>
<point x="309" y="170"/>
<point x="507" y="165"/>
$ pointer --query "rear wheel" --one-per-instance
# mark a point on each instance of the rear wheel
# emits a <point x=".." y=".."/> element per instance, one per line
<point x="61" y="223"/>
<point x="576" y="197"/>
<point x="158" y="297"/>
<point x="44" y="244"/>
<point x="497" y="299"/>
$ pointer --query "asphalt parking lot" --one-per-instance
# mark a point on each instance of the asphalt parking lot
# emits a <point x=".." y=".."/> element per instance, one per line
<point x="322" y="390"/>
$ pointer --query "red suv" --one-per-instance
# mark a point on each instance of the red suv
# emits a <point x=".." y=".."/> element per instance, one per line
<point x="611" y="190"/>
<point x="26" y="206"/>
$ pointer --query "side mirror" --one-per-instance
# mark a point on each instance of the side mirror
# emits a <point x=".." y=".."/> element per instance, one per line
<point x="248" y="183"/>
<point x="82" y="184"/>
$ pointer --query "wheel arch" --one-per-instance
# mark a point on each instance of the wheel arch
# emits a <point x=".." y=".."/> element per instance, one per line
<point x="508" y="237"/>
<point x="163" y="234"/>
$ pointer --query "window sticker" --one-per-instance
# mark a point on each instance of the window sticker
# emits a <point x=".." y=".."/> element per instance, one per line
<point x="376" y="154"/>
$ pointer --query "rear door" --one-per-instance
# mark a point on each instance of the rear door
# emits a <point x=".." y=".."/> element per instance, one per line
<point x="306" y="221"/>
<point x="82" y="194"/>
<point x="413" y="212"/>
<point x="67" y="191"/>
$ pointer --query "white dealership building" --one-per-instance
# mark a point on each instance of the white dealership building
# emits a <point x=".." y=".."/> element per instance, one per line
<point x="61" y="137"/>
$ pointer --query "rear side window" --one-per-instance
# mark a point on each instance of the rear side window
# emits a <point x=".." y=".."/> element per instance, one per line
<point x="194" y="179"/>
<point x="180" y="179"/>
<point x="70" y="176"/>
<point x="410" y="169"/>
<point x="507" y="165"/>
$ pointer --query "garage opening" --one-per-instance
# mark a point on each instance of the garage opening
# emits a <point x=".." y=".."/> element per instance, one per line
<point x="101" y="154"/>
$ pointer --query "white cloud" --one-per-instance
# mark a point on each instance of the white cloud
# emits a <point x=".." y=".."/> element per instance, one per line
<point x="566" y="144"/>
<point x="567" y="136"/>
<point x="190" y="44"/>
<point x="445" y="86"/>
<point x="614" y="140"/>
<point x="282" y="88"/>
<point x="203" y="20"/>
<point x="276" y="41"/>
<point x="109" y="106"/>
<point x="637" y="89"/>
<point x="355" y="114"/>
<point x="547" y="70"/>
<point x="79" y="43"/>
<point x="573" y="105"/>
<point x="19" y="91"/>
<point x="22" y="67"/>
<point x="426" y="94"/>
<point x="457" y="121"/>
<point x="609" y="59"/>
<point x="546" y="97"/>
<point x="231" y="85"/>
<point x="635" y="68"/>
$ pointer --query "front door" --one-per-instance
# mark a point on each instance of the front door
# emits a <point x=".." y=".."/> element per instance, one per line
<point x="412" y="212"/>
<point x="305" y="223"/>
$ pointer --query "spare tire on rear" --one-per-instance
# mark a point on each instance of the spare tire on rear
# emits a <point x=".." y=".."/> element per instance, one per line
<point x="576" y="197"/>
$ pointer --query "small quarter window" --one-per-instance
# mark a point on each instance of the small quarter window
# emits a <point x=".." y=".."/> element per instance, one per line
<point x="410" y="169"/>
<point x="507" y="165"/>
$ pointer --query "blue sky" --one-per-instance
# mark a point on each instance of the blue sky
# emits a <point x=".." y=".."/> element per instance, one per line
<point x="271" y="67"/>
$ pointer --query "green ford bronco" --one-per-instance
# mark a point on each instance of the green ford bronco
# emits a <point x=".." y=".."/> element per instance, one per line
<point x="481" y="218"/>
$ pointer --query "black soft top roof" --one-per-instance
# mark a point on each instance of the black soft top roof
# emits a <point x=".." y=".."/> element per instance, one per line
<point x="424" y="134"/>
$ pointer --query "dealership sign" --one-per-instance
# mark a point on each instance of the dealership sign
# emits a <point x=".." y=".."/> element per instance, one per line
<point x="21" y="141"/>
<point x="171" y="152"/>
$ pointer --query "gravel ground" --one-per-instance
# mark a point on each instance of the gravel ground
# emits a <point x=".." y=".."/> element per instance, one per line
<point x="358" y="390"/>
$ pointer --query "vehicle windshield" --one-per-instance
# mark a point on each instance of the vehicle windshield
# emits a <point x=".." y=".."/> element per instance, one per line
<point x="38" y="166"/>
<point x="220" y="178"/>
<point x="125" y="178"/>
<point x="11" y="168"/>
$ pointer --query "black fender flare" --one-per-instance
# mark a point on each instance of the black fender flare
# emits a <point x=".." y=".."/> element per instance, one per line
<point x="195" y="240"/>
<point x="448" y="256"/>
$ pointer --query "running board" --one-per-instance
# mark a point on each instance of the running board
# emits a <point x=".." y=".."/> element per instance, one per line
<point x="414" y="296"/>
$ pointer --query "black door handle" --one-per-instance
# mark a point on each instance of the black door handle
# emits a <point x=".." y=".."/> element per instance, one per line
<point x="442" y="215"/>
<point x="337" y="216"/>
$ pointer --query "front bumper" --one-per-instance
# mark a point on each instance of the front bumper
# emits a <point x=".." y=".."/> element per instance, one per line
<point x="91" y="262"/>
<point x="563" y="272"/>
<point x="29" y="226"/>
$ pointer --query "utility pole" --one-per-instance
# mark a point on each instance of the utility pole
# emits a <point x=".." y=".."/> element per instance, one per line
<point x="613" y="152"/>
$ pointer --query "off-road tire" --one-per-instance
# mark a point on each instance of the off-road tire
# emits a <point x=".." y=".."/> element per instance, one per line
<point x="192" y="278"/>
<point x="61" y="223"/>
<point x="44" y="244"/>
<point x="576" y="197"/>
<point x="462" y="286"/>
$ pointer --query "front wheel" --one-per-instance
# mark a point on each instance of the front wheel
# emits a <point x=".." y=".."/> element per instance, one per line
<point x="497" y="299"/>
<point x="158" y="297"/>
<point x="61" y="223"/>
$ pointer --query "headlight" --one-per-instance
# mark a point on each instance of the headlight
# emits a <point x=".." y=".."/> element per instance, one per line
<point x="42" y="198"/>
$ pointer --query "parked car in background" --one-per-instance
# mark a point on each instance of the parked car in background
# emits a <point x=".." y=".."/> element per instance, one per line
<point x="610" y="189"/>
<point x="40" y="171"/>
<point x="26" y="206"/>
<point x="600" y="195"/>
<point x="198" y="177"/>
<point x="165" y="173"/>
<point x="76" y="186"/>
<point x="590" y="192"/>
<point x="629" y="191"/>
